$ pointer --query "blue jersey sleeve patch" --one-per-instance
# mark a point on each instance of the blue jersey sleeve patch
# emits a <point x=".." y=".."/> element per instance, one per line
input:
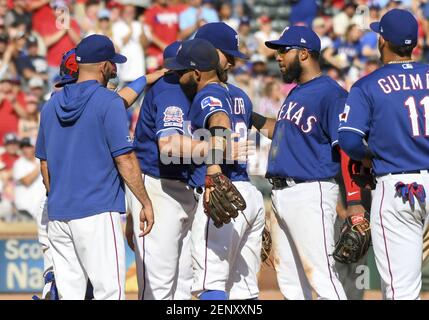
<point x="211" y="102"/>
<point x="173" y="117"/>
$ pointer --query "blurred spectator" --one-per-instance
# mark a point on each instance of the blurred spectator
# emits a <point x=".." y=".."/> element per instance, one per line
<point x="321" y="29"/>
<point x="197" y="14"/>
<point x="115" y="9"/>
<point x="247" y="37"/>
<point x="19" y="16"/>
<point x="58" y="35"/>
<point x="265" y="33"/>
<point x="303" y="12"/>
<point x="224" y="10"/>
<point x="344" y="18"/>
<point x="37" y="90"/>
<point x="88" y="22"/>
<point x="31" y="64"/>
<point x="162" y="20"/>
<point x="29" y="190"/>
<point x="12" y="106"/>
<point x="6" y="51"/>
<point x="129" y="36"/>
<point x="271" y="100"/>
<point x="29" y="126"/>
<point x="104" y="24"/>
<point x="11" y="149"/>
<point x="6" y="208"/>
<point x="346" y="52"/>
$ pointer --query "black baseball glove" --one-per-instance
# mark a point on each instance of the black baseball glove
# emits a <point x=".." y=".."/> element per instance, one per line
<point x="354" y="240"/>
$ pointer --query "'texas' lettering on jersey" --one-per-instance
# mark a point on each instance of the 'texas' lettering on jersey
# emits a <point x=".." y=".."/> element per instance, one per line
<point x="294" y="113"/>
<point x="404" y="82"/>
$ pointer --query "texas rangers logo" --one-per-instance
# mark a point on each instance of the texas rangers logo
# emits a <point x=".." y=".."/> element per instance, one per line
<point x="211" y="102"/>
<point x="345" y="114"/>
<point x="173" y="116"/>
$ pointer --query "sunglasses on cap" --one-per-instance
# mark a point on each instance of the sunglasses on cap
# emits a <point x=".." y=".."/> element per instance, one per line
<point x="283" y="50"/>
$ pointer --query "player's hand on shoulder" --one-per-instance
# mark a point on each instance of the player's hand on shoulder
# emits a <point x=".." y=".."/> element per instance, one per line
<point x="154" y="76"/>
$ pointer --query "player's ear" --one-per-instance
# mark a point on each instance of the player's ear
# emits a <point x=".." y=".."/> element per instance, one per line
<point x="303" y="54"/>
<point x="197" y="75"/>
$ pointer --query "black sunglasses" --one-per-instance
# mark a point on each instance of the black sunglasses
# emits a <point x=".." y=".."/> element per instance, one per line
<point x="283" y="50"/>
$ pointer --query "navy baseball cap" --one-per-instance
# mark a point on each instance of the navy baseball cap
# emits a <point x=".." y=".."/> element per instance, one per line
<point x="196" y="54"/>
<point x="297" y="36"/>
<point x="398" y="27"/>
<point x="97" y="48"/>
<point x="222" y="37"/>
<point x="171" y="50"/>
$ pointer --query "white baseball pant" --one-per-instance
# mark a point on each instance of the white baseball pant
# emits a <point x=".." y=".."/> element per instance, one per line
<point x="163" y="257"/>
<point x="303" y="240"/>
<point x="93" y="248"/>
<point x="397" y="236"/>
<point x="229" y="258"/>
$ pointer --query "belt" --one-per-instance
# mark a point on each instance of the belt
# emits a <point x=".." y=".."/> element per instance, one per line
<point x="408" y="172"/>
<point x="281" y="183"/>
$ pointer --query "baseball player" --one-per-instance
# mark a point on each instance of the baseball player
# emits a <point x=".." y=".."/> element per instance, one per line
<point x="388" y="108"/>
<point x="222" y="256"/>
<point x="163" y="258"/>
<point x="84" y="147"/>
<point x="69" y="73"/>
<point x="302" y="165"/>
<point x="234" y="271"/>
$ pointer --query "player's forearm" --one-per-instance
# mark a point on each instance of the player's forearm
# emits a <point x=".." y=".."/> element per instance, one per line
<point x="45" y="175"/>
<point x="129" y="169"/>
<point x="353" y="192"/>
<point x="263" y="124"/>
<point x="181" y="146"/>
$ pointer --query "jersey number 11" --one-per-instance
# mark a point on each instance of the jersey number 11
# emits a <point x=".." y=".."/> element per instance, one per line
<point x="414" y="116"/>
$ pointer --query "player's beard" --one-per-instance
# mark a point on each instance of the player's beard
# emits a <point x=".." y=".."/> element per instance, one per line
<point x="293" y="72"/>
<point x="222" y="74"/>
<point x="189" y="88"/>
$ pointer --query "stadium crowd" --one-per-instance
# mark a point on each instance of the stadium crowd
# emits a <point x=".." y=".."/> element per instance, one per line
<point x="34" y="34"/>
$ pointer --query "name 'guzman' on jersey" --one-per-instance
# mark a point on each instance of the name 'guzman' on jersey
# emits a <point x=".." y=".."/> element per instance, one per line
<point x="237" y="105"/>
<point x="83" y="127"/>
<point x="390" y="108"/>
<point x="164" y="112"/>
<point x="306" y="131"/>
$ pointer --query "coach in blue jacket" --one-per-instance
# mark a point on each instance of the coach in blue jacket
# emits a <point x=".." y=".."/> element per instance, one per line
<point x="86" y="154"/>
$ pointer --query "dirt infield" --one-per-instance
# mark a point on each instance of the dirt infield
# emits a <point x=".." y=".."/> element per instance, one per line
<point x="268" y="286"/>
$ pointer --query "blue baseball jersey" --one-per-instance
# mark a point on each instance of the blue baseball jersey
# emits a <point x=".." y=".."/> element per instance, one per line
<point x="306" y="131"/>
<point x="390" y="109"/>
<point x="237" y="105"/>
<point x="82" y="129"/>
<point x="164" y="112"/>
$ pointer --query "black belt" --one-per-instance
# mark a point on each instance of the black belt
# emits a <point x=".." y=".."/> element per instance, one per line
<point x="199" y="190"/>
<point x="407" y="172"/>
<point x="281" y="183"/>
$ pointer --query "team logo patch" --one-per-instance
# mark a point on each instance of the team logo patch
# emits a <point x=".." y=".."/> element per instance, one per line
<point x="343" y="116"/>
<point x="173" y="117"/>
<point x="211" y="102"/>
<point x="407" y="66"/>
